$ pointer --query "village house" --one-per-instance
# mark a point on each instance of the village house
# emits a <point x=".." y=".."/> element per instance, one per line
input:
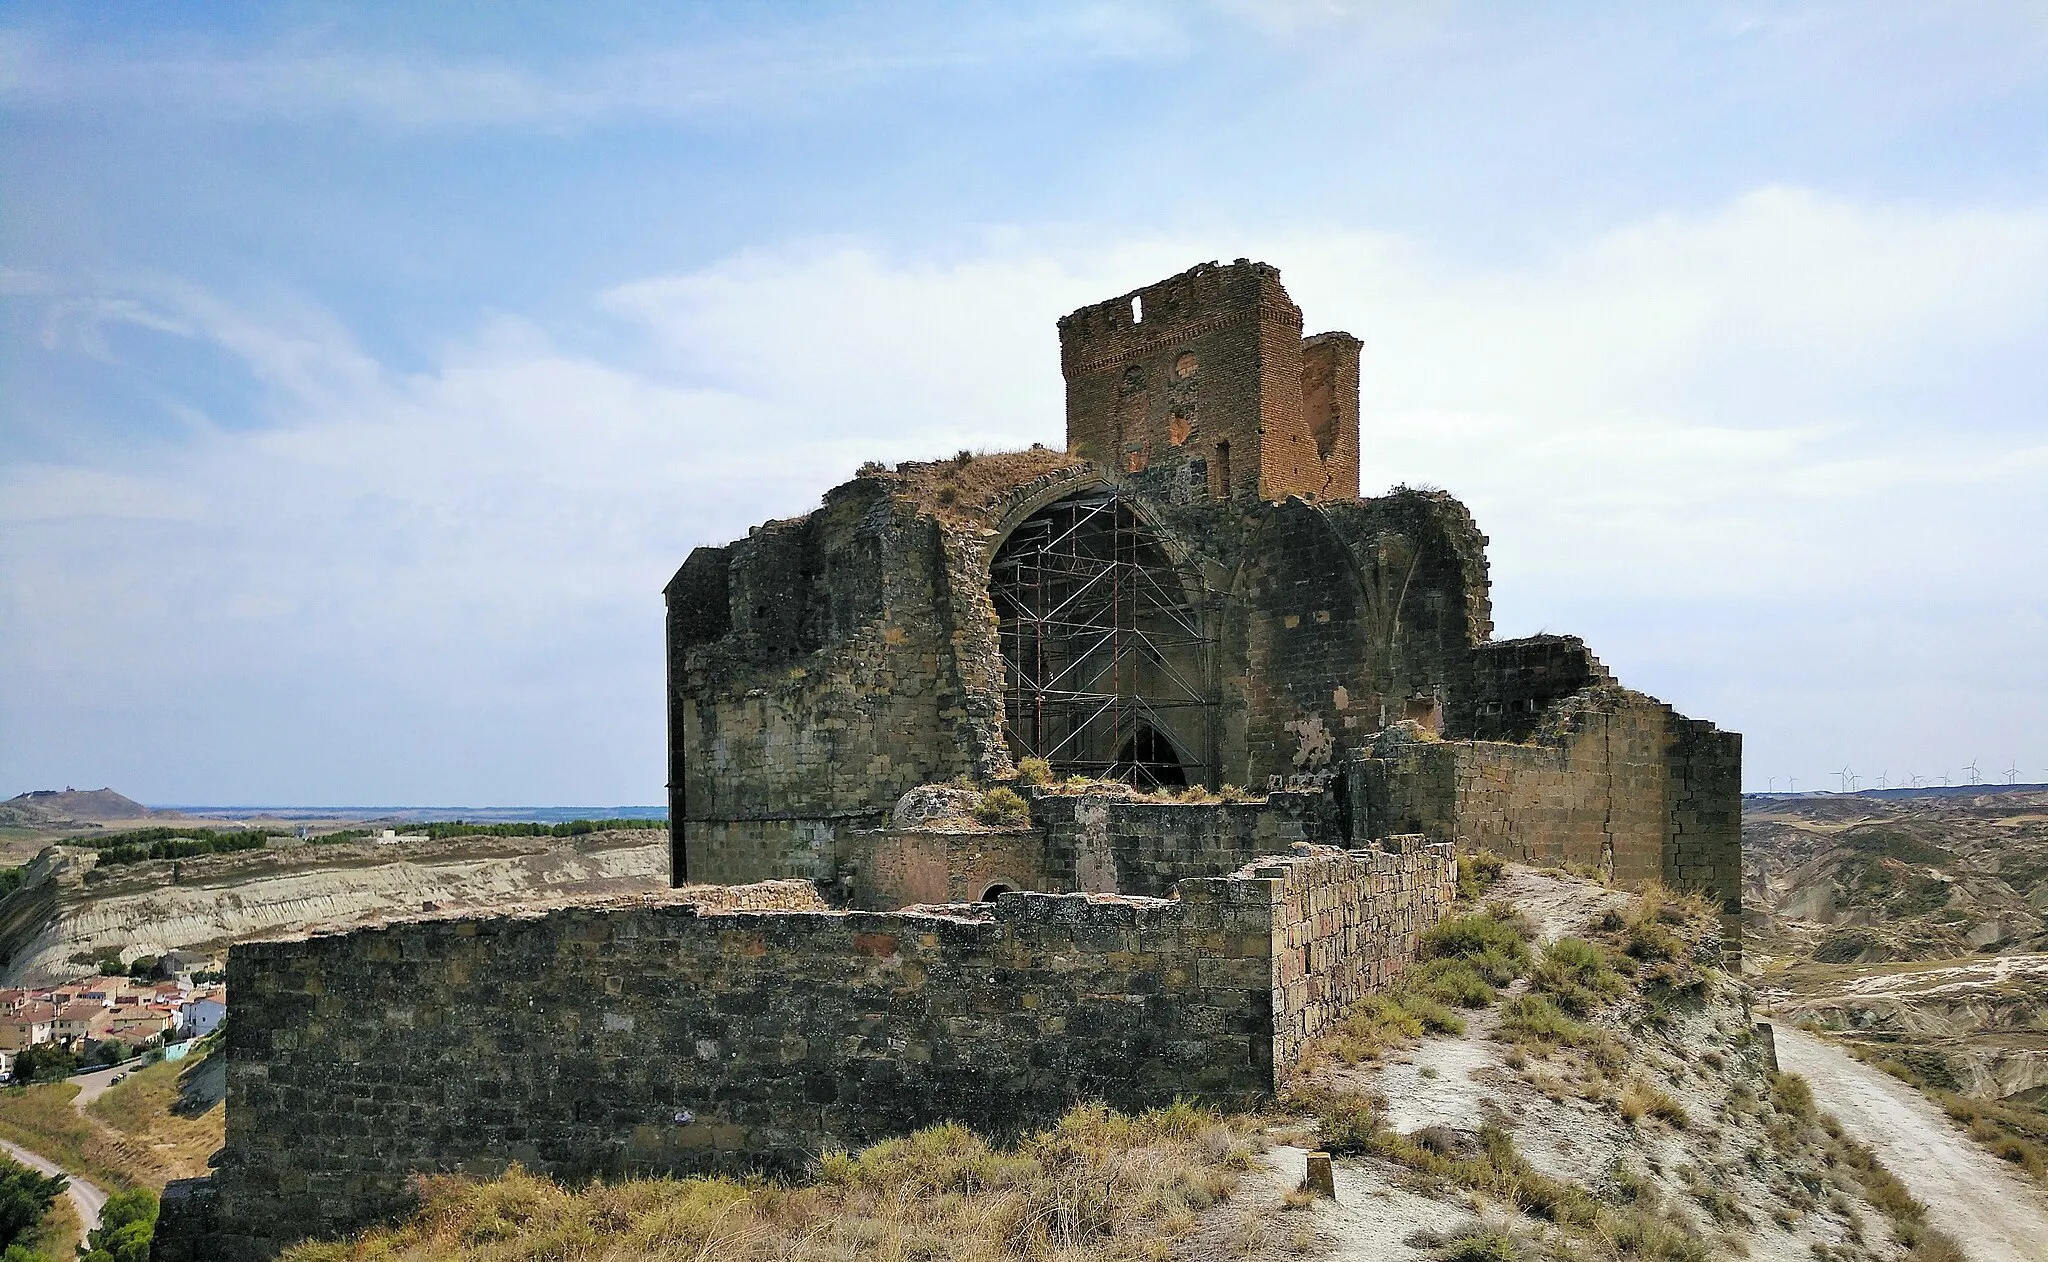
<point x="205" y="1011"/>
<point x="26" y="1026"/>
<point x="81" y="1020"/>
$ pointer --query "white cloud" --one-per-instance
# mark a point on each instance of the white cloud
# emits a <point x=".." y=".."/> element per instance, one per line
<point x="721" y="68"/>
<point x="453" y="574"/>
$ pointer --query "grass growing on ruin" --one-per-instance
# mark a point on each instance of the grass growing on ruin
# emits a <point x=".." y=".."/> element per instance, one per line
<point x="1477" y="873"/>
<point x="1097" y="1185"/>
<point x="1462" y="960"/>
<point x="1579" y="976"/>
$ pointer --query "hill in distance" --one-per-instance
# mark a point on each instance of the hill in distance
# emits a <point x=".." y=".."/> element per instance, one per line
<point x="46" y="807"/>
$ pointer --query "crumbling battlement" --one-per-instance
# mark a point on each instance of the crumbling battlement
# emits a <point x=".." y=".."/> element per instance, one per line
<point x="1613" y="780"/>
<point x="672" y="1036"/>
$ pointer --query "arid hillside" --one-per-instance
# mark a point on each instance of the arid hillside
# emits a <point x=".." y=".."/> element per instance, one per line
<point x="1859" y="879"/>
<point x="1915" y="929"/>
<point x="71" y="909"/>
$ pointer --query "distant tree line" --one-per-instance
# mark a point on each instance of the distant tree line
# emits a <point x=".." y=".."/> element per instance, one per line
<point x="574" y="828"/>
<point x="175" y="843"/>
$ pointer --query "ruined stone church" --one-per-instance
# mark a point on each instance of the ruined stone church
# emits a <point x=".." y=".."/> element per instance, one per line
<point x="1193" y="593"/>
<point x="1253" y="717"/>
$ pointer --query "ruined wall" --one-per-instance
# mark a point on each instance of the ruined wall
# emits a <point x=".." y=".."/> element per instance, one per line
<point x="1133" y="846"/>
<point x="1329" y="409"/>
<point x="847" y="676"/>
<point x="1339" y="618"/>
<point x="672" y="1036"/>
<point x="1704" y="851"/>
<point x="1612" y="779"/>
<point x="1347" y="923"/>
<point x="1297" y="633"/>
<point x="1510" y="685"/>
<point x="665" y="1038"/>
<point x="891" y="868"/>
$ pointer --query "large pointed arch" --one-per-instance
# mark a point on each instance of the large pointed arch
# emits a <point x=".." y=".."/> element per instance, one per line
<point x="1104" y="642"/>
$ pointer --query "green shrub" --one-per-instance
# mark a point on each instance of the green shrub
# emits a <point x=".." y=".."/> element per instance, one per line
<point x="25" y="1196"/>
<point x="1579" y="975"/>
<point x="1477" y="873"/>
<point x="45" y="1062"/>
<point x="1345" y="1122"/>
<point x="1532" y="1018"/>
<point x="1480" y="1246"/>
<point x="1449" y="981"/>
<point x="127" y="1222"/>
<point x="1034" y="771"/>
<point x="1001" y="807"/>
<point x="1494" y="946"/>
<point x="1434" y="1016"/>
<point x="1791" y="1095"/>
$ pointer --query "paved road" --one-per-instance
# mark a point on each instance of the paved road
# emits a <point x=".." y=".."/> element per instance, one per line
<point x="85" y="1198"/>
<point x="1996" y="1215"/>
<point x="93" y="1085"/>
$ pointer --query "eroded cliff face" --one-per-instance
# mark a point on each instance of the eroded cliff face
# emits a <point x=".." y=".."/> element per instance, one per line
<point x="70" y="911"/>
<point x="1914" y="927"/>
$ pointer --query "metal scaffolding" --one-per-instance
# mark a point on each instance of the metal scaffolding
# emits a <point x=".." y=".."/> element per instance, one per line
<point x="1104" y="662"/>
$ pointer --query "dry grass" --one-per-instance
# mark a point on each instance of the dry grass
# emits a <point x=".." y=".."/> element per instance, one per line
<point x="1098" y="1185"/>
<point x="129" y="1137"/>
<point x="971" y="485"/>
<point x="1640" y="1099"/>
<point x="43" y="1119"/>
<point x="58" y="1236"/>
<point x="143" y="1109"/>
<point x="2011" y="1132"/>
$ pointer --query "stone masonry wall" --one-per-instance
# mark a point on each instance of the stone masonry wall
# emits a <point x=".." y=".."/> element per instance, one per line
<point x="666" y="1035"/>
<point x="1346" y="925"/>
<point x="1705" y="793"/>
<point x="1134" y="846"/>
<point x="1612" y="779"/>
<point x="610" y="1041"/>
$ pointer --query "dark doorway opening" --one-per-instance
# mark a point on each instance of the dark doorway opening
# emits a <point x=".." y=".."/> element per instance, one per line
<point x="1149" y="761"/>
<point x="994" y="892"/>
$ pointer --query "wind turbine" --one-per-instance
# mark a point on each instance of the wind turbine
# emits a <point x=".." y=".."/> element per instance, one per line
<point x="1773" y="782"/>
<point x="1976" y="775"/>
<point x="2012" y="773"/>
<point x="1791" y="784"/>
<point x="1843" y="776"/>
<point x="1884" y="778"/>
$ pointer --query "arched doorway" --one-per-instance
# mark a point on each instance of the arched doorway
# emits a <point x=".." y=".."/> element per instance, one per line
<point x="1149" y="761"/>
<point x="1105" y="663"/>
<point x="993" y="892"/>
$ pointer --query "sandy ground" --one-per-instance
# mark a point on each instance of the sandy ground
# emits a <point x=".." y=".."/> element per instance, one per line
<point x="1993" y="1213"/>
<point x="85" y="1198"/>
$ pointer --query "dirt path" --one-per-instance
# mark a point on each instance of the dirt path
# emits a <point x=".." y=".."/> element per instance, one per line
<point x="85" y="1198"/>
<point x="1994" y="1214"/>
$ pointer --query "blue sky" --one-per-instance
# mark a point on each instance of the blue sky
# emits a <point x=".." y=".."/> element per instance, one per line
<point x="366" y="371"/>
